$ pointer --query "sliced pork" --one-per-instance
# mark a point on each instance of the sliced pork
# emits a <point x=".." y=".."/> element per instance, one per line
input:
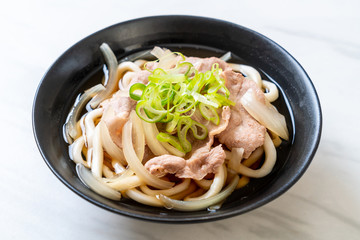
<point x="164" y="164"/>
<point x="213" y="129"/>
<point x="243" y="131"/>
<point x="117" y="109"/>
<point x="202" y="162"/>
<point x="205" y="64"/>
<point x="140" y="77"/>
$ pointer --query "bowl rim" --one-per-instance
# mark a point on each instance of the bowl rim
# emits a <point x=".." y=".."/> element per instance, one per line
<point x="206" y="218"/>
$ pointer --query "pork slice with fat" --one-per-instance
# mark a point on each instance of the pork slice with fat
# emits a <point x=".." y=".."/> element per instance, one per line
<point x="117" y="109"/>
<point x="243" y="131"/>
<point x="164" y="164"/>
<point x="205" y="64"/>
<point x="202" y="160"/>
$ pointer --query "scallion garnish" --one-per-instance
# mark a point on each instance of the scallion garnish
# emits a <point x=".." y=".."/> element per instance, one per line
<point x="174" y="94"/>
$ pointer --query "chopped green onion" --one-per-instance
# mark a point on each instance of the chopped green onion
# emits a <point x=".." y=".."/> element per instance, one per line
<point x="166" y="93"/>
<point x="171" y="126"/>
<point x="181" y="55"/>
<point x="173" y="94"/>
<point x="203" y="99"/>
<point x="174" y="141"/>
<point x="220" y="99"/>
<point x="135" y="87"/>
<point x="150" y="115"/>
<point x="209" y="113"/>
<point x="182" y="132"/>
<point x="169" y="117"/>
<point x="195" y="126"/>
<point x="182" y="68"/>
<point x="159" y="71"/>
<point x="186" y="105"/>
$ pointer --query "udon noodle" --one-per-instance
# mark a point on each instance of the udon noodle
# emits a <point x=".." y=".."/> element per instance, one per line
<point x="178" y="132"/>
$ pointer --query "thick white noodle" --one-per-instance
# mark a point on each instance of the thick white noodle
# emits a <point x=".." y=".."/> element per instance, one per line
<point x="155" y="146"/>
<point x="82" y="127"/>
<point x="143" y="198"/>
<point x="127" y="173"/>
<point x="136" y="165"/>
<point x="267" y="115"/>
<point x="88" y="131"/>
<point x="125" y="81"/>
<point x="75" y="150"/>
<point x="204" y="183"/>
<point x="167" y="192"/>
<point x="89" y="156"/>
<point x="172" y="150"/>
<point x="228" y="154"/>
<point x="98" y="154"/>
<point x="96" y="184"/>
<point x="71" y="126"/>
<point x="138" y="135"/>
<point x="250" y="72"/>
<point x="122" y="69"/>
<point x="255" y="155"/>
<point x="89" y="123"/>
<point x="275" y="138"/>
<point x="125" y="183"/>
<point x="158" y="148"/>
<point x="236" y="157"/>
<point x="107" y="172"/>
<point x="199" y="204"/>
<point x="215" y="187"/>
<point x="272" y="91"/>
<point x="269" y="162"/>
<point x="110" y="147"/>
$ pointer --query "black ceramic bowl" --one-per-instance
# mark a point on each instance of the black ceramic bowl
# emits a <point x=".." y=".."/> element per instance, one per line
<point x="81" y="66"/>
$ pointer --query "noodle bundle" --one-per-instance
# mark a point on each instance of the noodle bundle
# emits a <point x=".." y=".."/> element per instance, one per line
<point x="179" y="132"/>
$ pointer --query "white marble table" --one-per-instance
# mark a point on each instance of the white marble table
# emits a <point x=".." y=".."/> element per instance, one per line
<point x="324" y="36"/>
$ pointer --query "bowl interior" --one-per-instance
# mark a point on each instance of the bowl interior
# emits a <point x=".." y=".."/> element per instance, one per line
<point x="81" y="67"/>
